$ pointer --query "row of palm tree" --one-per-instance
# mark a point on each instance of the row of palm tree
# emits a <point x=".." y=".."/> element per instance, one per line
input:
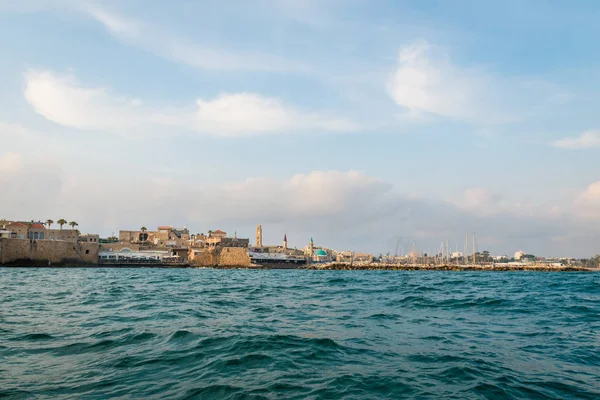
<point x="49" y="222"/>
<point x="62" y="222"/>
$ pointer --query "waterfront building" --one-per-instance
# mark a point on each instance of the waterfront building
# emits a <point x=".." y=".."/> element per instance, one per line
<point x="127" y="255"/>
<point x="71" y="235"/>
<point x="18" y="230"/>
<point x="217" y="241"/>
<point x="37" y="231"/>
<point x="318" y="253"/>
<point x="164" y="236"/>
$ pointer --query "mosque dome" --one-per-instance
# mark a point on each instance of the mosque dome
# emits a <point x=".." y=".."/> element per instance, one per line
<point x="320" y="252"/>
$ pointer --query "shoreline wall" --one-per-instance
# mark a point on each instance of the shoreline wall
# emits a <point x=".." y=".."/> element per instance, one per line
<point x="226" y="257"/>
<point x="47" y="252"/>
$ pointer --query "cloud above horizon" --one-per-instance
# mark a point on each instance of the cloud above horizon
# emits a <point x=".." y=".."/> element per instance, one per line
<point x="343" y="209"/>
<point x="63" y="100"/>
<point x="427" y="82"/>
<point x="162" y="43"/>
<point x="587" y="140"/>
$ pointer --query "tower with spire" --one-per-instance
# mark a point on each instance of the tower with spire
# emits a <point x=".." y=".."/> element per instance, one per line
<point x="311" y="248"/>
<point x="285" y="241"/>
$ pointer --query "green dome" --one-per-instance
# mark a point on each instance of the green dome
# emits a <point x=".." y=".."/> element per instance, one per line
<point x="320" y="252"/>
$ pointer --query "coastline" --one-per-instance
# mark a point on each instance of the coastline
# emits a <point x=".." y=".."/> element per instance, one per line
<point x="312" y="267"/>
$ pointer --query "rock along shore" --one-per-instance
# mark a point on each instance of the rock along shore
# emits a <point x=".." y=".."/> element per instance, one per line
<point x="429" y="267"/>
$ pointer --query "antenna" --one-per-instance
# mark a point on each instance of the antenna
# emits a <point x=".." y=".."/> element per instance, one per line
<point x="474" y="260"/>
<point x="466" y="255"/>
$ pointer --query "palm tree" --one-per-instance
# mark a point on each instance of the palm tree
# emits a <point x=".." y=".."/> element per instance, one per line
<point x="3" y="223"/>
<point x="73" y="224"/>
<point x="143" y="236"/>
<point x="61" y="222"/>
<point x="49" y="222"/>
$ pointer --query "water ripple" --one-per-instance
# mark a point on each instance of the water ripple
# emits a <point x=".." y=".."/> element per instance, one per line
<point x="252" y="334"/>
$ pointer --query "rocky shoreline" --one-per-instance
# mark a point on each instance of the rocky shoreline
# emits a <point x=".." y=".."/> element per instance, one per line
<point x="427" y="267"/>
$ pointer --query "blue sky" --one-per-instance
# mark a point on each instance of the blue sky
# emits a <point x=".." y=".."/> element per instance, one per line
<point x="351" y="121"/>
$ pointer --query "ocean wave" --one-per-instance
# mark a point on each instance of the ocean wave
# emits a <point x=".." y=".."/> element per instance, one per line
<point x="150" y="333"/>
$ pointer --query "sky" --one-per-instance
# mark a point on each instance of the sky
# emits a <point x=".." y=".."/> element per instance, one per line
<point x="355" y="122"/>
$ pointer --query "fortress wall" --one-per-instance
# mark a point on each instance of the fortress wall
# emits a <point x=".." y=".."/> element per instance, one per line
<point x="206" y="258"/>
<point x="42" y="252"/>
<point x="227" y="257"/>
<point x="234" y="257"/>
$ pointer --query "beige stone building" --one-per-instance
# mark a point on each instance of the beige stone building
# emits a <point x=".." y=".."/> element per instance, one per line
<point x="37" y="231"/>
<point x="164" y="236"/>
<point x="62" y="234"/>
<point x="89" y="237"/>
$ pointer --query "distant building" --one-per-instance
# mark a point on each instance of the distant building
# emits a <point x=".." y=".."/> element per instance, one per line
<point x="91" y="238"/>
<point x="37" y="231"/>
<point x="71" y="235"/>
<point x="212" y="242"/>
<point x="217" y="234"/>
<point x="519" y="254"/>
<point x="164" y="236"/>
<point x="128" y="255"/>
<point x="363" y="257"/>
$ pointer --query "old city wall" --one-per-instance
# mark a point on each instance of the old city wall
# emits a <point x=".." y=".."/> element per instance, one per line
<point x="205" y="258"/>
<point x="45" y="252"/>
<point x="227" y="257"/>
<point x="234" y="257"/>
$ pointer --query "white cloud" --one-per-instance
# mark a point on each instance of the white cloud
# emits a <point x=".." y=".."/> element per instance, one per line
<point x="587" y="204"/>
<point x="9" y="131"/>
<point x="586" y="140"/>
<point x="427" y="82"/>
<point x="247" y="113"/>
<point x="592" y="193"/>
<point x="62" y="99"/>
<point x="115" y="24"/>
<point x="481" y="200"/>
<point x="164" y="44"/>
<point x="29" y="185"/>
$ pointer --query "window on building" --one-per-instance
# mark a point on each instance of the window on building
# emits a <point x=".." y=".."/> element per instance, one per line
<point x="87" y="252"/>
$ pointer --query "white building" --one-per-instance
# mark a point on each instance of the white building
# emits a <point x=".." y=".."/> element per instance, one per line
<point x="126" y="254"/>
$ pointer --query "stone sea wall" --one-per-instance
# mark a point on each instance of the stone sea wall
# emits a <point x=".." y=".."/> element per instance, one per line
<point x="429" y="267"/>
<point x="227" y="257"/>
<point x="47" y="252"/>
<point x="234" y="256"/>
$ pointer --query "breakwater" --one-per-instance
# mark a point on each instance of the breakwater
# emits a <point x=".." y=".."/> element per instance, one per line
<point x="432" y="267"/>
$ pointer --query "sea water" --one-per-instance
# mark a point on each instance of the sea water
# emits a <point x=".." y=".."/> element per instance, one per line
<point x="236" y="334"/>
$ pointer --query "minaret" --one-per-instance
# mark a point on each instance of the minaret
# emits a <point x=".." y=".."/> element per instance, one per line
<point x="311" y="247"/>
<point x="258" y="236"/>
<point x="285" y="241"/>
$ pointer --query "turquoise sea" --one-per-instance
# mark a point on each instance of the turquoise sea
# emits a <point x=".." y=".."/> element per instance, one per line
<point x="286" y="334"/>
